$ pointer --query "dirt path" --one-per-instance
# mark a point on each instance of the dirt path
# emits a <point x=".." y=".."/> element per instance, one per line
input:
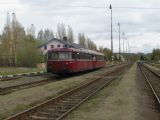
<point x="125" y="99"/>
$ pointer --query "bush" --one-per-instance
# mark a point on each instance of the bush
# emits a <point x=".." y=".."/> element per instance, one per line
<point x="29" y="55"/>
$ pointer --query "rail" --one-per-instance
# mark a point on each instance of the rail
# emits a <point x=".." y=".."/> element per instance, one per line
<point x="146" y="71"/>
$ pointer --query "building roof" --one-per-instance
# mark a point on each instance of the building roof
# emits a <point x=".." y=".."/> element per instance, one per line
<point x="74" y="45"/>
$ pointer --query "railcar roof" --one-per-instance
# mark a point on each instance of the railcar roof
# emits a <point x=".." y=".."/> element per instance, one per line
<point x="76" y="50"/>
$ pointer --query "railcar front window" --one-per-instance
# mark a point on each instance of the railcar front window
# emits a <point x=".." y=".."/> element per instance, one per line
<point x="64" y="56"/>
<point x="59" y="56"/>
<point x="53" y="56"/>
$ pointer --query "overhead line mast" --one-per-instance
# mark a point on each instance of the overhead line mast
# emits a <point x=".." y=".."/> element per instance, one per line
<point x="110" y="7"/>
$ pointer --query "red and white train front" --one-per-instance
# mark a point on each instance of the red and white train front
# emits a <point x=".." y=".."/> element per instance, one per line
<point x="67" y="60"/>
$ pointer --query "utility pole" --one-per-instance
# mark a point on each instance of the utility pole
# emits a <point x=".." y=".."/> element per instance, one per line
<point x="32" y="30"/>
<point x="110" y="7"/>
<point x="128" y="51"/>
<point x="123" y="45"/>
<point x="119" y="42"/>
<point x="126" y="48"/>
<point x="14" y="38"/>
<point x="9" y="41"/>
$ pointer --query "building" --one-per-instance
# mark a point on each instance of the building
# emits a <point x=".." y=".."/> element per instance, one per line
<point x="57" y="43"/>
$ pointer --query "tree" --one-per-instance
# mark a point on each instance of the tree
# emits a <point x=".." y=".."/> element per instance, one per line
<point x="6" y="40"/>
<point x="12" y="36"/>
<point x="29" y="55"/>
<point x="45" y="35"/>
<point x="40" y="35"/>
<point x="70" y="34"/>
<point x="18" y="34"/>
<point x="61" y="31"/>
<point x="91" y="45"/>
<point x="155" y="55"/>
<point x="18" y="48"/>
<point x="48" y="34"/>
<point x="108" y="54"/>
<point x="82" y="40"/>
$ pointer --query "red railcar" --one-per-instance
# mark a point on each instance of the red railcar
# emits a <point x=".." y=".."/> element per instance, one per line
<point x="69" y="60"/>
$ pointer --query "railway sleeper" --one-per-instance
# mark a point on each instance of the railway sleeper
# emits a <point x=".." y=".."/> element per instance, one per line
<point x="41" y="118"/>
<point x="47" y="114"/>
<point x="56" y="108"/>
<point x="51" y="115"/>
<point x="69" y="101"/>
<point x="65" y="105"/>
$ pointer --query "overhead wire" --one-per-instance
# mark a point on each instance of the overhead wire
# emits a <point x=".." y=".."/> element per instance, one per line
<point x="117" y="7"/>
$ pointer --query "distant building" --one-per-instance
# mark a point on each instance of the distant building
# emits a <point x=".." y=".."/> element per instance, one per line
<point x="57" y="43"/>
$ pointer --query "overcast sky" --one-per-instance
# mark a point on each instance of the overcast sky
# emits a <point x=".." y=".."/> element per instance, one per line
<point x="92" y="17"/>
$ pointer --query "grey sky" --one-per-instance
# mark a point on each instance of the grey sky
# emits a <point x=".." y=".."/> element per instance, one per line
<point x="141" y="26"/>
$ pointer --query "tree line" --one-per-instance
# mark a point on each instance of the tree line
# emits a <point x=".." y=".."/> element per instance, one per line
<point x="19" y="47"/>
<point x="152" y="57"/>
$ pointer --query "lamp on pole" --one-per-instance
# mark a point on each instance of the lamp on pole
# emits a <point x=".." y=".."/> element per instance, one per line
<point x="110" y="7"/>
<point x="119" y="42"/>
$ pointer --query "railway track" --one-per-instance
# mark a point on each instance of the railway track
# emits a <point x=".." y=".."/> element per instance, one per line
<point x="17" y="76"/>
<point x="13" y="88"/>
<point x="153" y="68"/>
<point x="58" y="107"/>
<point x="9" y="89"/>
<point x="155" y="65"/>
<point x="153" y="79"/>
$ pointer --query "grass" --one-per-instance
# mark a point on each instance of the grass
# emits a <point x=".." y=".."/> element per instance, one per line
<point x="17" y="70"/>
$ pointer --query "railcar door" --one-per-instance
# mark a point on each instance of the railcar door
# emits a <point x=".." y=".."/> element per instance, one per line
<point x="75" y="58"/>
<point x="94" y="61"/>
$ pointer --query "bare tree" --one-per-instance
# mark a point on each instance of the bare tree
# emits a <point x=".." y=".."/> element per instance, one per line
<point x="91" y="45"/>
<point x="82" y="40"/>
<point x="12" y="36"/>
<point x="6" y="40"/>
<point x="45" y="35"/>
<point x="70" y="34"/>
<point x="61" y="31"/>
<point x="40" y="35"/>
<point x="17" y="34"/>
<point x="101" y="49"/>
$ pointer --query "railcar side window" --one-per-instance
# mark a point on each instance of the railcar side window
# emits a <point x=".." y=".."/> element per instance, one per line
<point x="45" y="47"/>
<point x="74" y="55"/>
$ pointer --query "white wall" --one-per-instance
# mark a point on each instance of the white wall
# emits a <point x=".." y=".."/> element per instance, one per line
<point x="55" y="43"/>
